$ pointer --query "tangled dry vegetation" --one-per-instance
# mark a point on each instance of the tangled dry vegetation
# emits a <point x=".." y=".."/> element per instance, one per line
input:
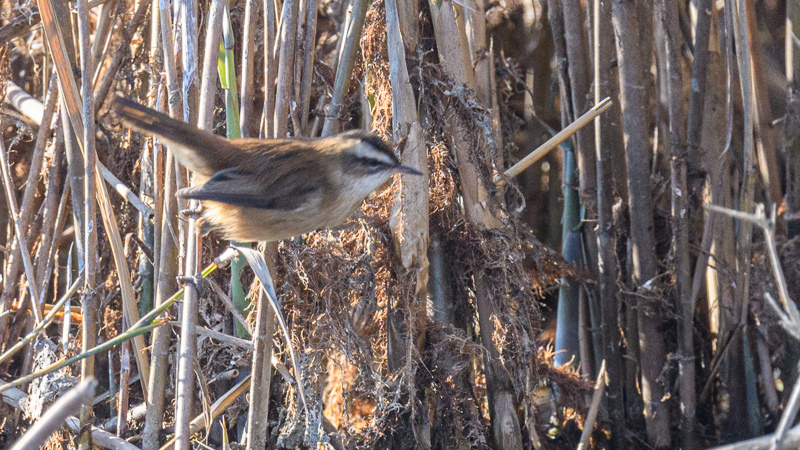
<point x="382" y="363"/>
<point x="441" y="315"/>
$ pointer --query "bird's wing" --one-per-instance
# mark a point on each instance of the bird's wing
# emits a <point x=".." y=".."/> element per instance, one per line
<point x="239" y="187"/>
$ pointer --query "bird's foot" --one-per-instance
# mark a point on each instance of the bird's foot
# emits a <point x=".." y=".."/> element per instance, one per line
<point x="195" y="281"/>
<point x="191" y="213"/>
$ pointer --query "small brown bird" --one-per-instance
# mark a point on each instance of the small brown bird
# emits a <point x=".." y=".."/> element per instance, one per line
<point x="270" y="189"/>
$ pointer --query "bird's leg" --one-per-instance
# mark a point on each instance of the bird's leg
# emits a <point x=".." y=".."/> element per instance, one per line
<point x="191" y="213"/>
<point x="195" y="281"/>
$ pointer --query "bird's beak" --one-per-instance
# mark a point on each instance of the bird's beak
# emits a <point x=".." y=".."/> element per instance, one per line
<point x="408" y="170"/>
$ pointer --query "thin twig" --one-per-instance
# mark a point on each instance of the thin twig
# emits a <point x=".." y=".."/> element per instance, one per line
<point x="69" y="404"/>
<point x="229" y="304"/>
<point x="44" y="323"/>
<point x="597" y="397"/>
<point x="344" y="69"/>
<point x="556" y="140"/>
<point x="19" y="237"/>
<point x="213" y="334"/>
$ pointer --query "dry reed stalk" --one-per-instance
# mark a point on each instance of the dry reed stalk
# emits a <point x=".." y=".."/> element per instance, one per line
<point x="184" y="389"/>
<point x="54" y="418"/>
<point x="696" y="103"/>
<point x="216" y="409"/>
<point x="23" y="102"/>
<point x="47" y="320"/>
<point x="668" y="14"/>
<point x="594" y="408"/>
<point x="231" y="307"/>
<point x="762" y="114"/>
<point x="645" y="265"/>
<point x="124" y="378"/>
<point x="743" y="47"/>
<point x="307" y="74"/>
<point x="791" y="129"/>
<point x="102" y="438"/>
<point x="579" y="70"/>
<point x="409" y="219"/>
<point x="55" y="201"/>
<point x="247" y="120"/>
<point x="606" y="135"/>
<point x="54" y="33"/>
<point x="102" y="38"/>
<point x="450" y="44"/>
<point x="476" y="197"/>
<point x="268" y="113"/>
<point x="168" y="246"/>
<point x="557" y="139"/>
<point x="89" y="300"/>
<point x="286" y="63"/>
<point x="26" y="207"/>
<point x="344" y="69"/>
<point x="189" y="58"/>
<point x="257" y="417"/>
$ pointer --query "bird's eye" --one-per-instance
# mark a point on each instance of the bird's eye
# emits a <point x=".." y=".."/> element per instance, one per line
<point x="372" y="163"/>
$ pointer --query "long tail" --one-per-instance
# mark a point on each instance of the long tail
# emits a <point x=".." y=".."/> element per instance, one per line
<point x="200" y="151"/>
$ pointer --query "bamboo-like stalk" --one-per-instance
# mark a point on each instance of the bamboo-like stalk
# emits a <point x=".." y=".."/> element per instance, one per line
<point x="567" y="313"/>
<point x="409" y="221"/>
<point x="792" y="137"/>
<point x="307" y="74"/>
<point x="762" y="114"/>
<point x="102" y="37"/>
<point x="747" y="193"/>
<point x="124" y="377"/>
<point x="580" y="84"/>
<point x="89" y="302"/>
<point x="645" y="265"/>
<point x="347" y="59"/>
<point x="668" y="15"/>
<point x="149" y="182"/>
<point x="189" y="58"/>
<point x="286" y="65"/>
<point x="268" y="113"/>
<point x="54" y="216"/>
<point x="168" y="253"/>
<point x="185" y="384"/>
<point x="227" y="75"/>
<point x="608" y="271"/>
<point x="257" y="417"/>
<point x="247" y="113"/>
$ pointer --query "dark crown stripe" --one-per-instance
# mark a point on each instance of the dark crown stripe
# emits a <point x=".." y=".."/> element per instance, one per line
<point x="373" y="140"/>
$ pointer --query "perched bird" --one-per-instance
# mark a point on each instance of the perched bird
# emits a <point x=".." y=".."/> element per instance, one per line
<point x="270" y="189"/>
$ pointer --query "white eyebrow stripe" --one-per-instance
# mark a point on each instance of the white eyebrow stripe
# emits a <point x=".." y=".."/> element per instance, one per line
<point x="366" y="150"/>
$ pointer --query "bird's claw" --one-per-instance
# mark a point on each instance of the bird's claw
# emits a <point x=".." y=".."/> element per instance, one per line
<point x="191" y="213"/>
<point x="195" y="281"/>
